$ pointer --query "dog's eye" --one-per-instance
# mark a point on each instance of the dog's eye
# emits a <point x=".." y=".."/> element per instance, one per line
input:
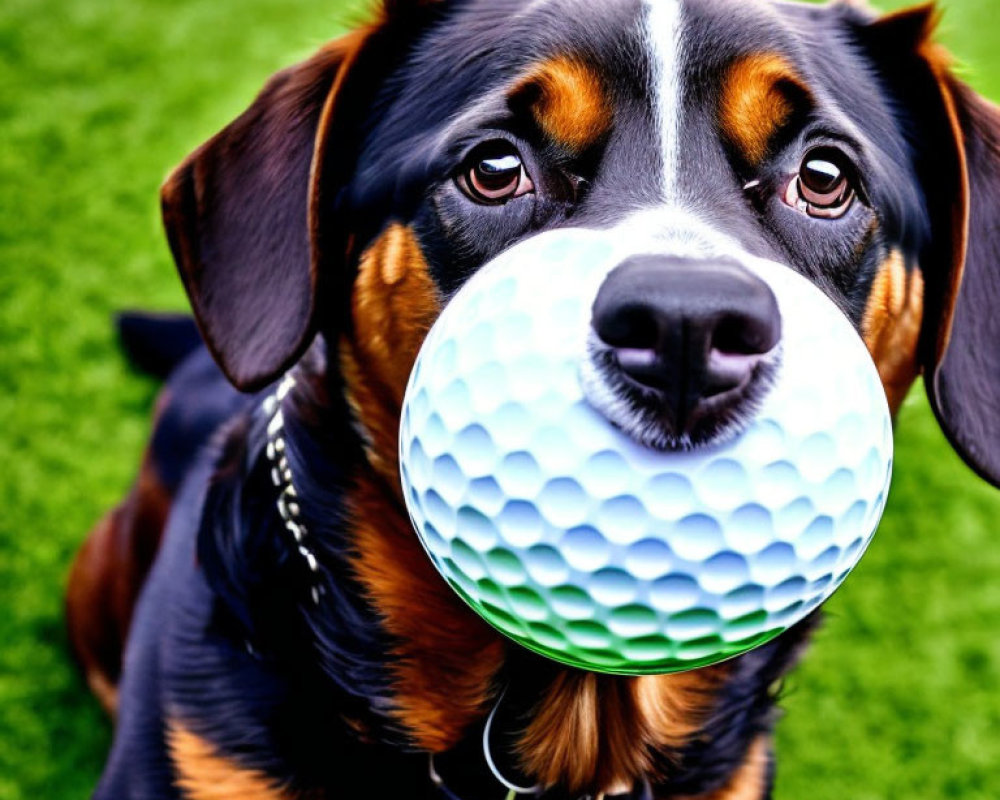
<point x="494" y="173"/>
<point x="824" y="186"/>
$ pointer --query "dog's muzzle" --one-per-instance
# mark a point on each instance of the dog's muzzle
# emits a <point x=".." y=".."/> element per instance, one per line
<point x="681" y="348"/>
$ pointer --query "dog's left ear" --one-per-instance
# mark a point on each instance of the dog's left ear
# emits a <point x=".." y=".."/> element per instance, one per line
<point x="962" y="369"/>
<point x="958" y="160"/>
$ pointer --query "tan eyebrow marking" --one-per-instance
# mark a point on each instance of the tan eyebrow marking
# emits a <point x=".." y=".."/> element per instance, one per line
<point x="568" y="100"/>
<point x="759" y="96"/>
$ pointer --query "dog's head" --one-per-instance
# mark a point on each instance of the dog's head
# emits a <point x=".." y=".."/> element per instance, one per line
<point x="365" y="185"/>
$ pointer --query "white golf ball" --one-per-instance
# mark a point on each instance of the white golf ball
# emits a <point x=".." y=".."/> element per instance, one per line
<point x="583" y="545"/>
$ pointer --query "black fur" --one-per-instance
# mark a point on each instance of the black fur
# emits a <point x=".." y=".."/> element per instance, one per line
<point x="157" y="343"/>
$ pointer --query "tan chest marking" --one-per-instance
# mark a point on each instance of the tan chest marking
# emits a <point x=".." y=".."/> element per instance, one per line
<point x="594" y="733"/>
<point x="447" y="656"/>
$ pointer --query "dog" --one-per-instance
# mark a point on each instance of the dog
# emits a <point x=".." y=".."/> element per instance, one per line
<point x="258" y="613"/>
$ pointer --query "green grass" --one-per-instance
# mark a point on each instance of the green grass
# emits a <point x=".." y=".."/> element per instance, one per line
<point x="898" y="697"/>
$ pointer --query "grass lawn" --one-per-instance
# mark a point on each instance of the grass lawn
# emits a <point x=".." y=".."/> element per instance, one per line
<point x="898" y="698"/>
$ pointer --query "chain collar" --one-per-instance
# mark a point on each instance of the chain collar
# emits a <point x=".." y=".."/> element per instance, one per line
<point x="281" y="476"/>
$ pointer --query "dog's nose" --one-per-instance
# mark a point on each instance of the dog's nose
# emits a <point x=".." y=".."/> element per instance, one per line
<point x="686" y="330"/>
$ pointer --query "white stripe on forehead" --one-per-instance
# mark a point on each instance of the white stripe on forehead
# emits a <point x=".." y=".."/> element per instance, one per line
<point x="532" y="6"/>
<point x="663" y="24"/>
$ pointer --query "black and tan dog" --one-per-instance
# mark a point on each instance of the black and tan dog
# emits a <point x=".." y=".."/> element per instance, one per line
<point x="313" y="651"/>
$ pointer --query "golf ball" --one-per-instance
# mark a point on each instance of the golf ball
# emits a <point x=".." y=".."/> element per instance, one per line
<point x="589" y="548"/>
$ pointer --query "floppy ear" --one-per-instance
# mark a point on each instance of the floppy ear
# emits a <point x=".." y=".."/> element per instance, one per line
<point x="963" y="373"/>
<point x="237" y="214"/>
<point x="958" y="161"/>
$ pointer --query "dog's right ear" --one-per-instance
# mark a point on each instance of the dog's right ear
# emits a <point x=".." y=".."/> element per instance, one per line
<point x="247" y="213"/>
<point x="958" y="160"/>
<point x="236" y="214"/>
<point x="237" y="218"/>
<point x="242" y="213"/>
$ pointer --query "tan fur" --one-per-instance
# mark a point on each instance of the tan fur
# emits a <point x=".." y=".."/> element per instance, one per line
<point x="563" y="739"/>
<point x="447" y="656"/>
<point x="756" y="102"/>
<point x="394" y="304"/>
<point x="106" y="691"/>
<point x="595" y="733"/>
<point x="569" y="102"/>
<point x="673" y="707"/>
<point x="891" y="326"/>
<point x="202" y="774"/>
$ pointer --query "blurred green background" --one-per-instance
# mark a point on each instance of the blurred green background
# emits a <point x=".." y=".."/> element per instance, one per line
<point x="899" y="696"/>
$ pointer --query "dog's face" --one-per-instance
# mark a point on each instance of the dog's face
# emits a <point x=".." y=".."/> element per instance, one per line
<point x="704" y="131"/>
<point x="364" y="187"/>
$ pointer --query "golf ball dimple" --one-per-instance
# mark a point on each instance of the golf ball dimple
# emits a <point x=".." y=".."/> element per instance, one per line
<point x="589" y="548"/>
